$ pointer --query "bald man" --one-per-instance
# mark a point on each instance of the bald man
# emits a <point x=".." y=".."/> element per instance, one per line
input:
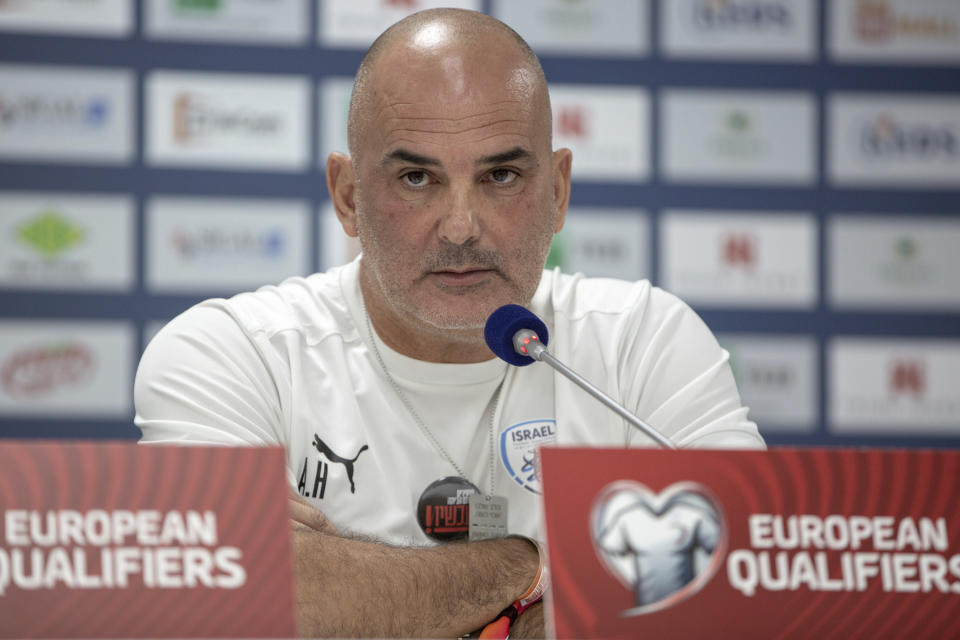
<point x="375" y="376"/>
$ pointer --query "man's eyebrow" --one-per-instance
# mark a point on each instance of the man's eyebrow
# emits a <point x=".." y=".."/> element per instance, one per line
<point x="403" y="155"/>
<point x="511" y="155"/>
<point x="517" y="153"/>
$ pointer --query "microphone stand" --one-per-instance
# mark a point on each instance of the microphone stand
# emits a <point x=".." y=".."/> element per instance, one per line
<point x="527" y="343"/>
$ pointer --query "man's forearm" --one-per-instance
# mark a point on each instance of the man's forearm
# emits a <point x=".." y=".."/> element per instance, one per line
<point x="354" y="588"/>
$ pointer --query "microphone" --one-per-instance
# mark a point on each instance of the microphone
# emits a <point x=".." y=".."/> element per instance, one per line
<point x="518" y="336"/>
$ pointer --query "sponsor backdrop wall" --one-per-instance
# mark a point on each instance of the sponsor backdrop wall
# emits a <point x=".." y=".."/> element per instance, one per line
<point x="789" y="167"/>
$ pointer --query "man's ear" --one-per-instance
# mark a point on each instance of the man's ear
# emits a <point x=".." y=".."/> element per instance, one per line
<point x="342" y="188"/>
<point x="562" y="161"/>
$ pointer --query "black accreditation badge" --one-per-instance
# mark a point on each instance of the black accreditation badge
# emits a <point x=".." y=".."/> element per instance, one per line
<point x="443" y="510"/>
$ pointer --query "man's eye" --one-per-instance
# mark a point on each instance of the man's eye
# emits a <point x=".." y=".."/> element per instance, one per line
<point x="414" y="178"/>
<point x="503" y="176"/>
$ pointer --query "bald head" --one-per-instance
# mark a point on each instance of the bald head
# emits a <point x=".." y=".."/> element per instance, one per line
<point x="452" y="185"/>
<point x="451" y="40"/>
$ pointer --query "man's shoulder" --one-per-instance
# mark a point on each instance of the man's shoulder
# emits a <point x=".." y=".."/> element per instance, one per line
<point x="575" y="295"/>
<point x="313" y="305"/>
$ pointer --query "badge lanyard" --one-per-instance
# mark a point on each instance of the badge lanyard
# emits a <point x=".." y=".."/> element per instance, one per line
<point x="452" y="508"/>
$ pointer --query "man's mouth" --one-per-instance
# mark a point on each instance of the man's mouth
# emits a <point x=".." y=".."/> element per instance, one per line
<point x="462" y="277"/>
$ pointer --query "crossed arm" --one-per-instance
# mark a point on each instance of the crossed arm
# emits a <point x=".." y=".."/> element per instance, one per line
<point x="353" y="588"/>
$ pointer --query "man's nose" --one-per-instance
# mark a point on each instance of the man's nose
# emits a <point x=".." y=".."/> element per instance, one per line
<point x="460" y="223"/>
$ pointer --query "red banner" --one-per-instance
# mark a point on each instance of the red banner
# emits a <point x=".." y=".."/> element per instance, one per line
<point x="778" y="544"/>
<point x="125" y="541"/>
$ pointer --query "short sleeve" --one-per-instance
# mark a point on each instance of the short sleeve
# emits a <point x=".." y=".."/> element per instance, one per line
<point x="683" y="381"/>
<point x="202" y="380"/>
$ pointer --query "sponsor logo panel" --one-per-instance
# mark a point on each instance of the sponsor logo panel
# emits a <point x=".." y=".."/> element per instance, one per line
<point x="864" y="529"/>
<point x="894" y="31"/>
<point x="603" y="242"/>
<point x="224" y="244"/>
<point x="777" y="378"/>
<point x="336" y="247"/>
<point x="738" y="136"/>
<point x="66" y="369"/>
<point x="66" y="241"/>
<point x="606" y="127"/>
<point x="894" y="140"/>
<point x="723" y="258"/>
<point x="101" y="18"/>
<point x="228" y="120"/>
<point x="72" y="114"/>
<point x="910" y="264"/>
<point x="587" y="27"/>
<point x="334" y="101"/>
<point x="894" y="386"/>
<point x="739" y="29"/>
<point x="244" y="21"/>
<point x="356" y="24"/>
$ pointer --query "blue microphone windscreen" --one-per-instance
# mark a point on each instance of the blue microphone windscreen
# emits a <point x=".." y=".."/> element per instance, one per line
<point x="503" y="324"/>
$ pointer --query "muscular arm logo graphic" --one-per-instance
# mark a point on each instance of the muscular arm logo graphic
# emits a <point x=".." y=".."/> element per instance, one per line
<point x="661" y="543"/>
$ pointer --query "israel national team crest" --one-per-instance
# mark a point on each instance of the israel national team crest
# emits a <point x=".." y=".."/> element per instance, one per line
<point x="518" y="450"/>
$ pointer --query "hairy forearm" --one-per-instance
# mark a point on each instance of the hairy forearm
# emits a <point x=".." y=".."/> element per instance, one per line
<point x="354" y="588"/>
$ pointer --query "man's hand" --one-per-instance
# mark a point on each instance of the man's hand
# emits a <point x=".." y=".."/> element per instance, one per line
<point x="306" y="516"/>
<point x="529" y="624"/>
<point x="355" y="588"/>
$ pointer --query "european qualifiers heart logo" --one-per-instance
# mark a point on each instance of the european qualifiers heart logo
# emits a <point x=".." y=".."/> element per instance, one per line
<point x="663" y="547"/>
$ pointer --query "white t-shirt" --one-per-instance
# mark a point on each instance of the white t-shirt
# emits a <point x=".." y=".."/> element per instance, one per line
<point x="293" y="365"/>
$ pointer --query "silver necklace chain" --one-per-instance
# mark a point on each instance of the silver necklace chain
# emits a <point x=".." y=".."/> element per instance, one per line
<point x="419" y="421"/>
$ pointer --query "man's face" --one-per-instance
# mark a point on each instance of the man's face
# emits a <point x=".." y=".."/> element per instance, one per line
<point x="455" y="195"/>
